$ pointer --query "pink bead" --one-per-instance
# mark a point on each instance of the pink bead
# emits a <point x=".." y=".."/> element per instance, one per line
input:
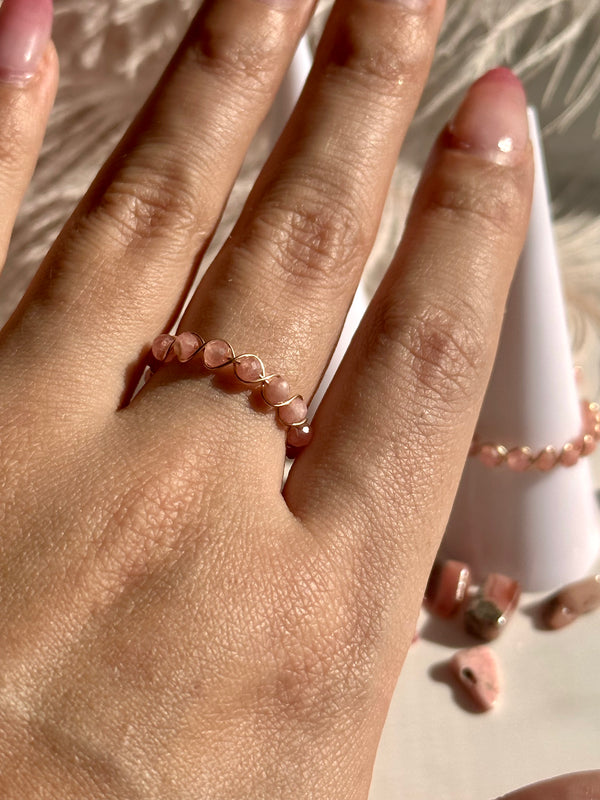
<point x="491" y="454"/>
<point x="186" y="345"/>
<point x="276" y="390"/>
<point x="216" y="353"/>
<point x="477" y="670"/>
<point x="589" y="445"/>
<point x="570" y="453"/>
<point x="161" y="345"/>
<point x="546" y="459"/>
<point x="296" y="411"/>
<point x="519" y="459"/>
<point x="589" y="414"/>
<point x="248" y="368"/>
<point x="299" y="436"/>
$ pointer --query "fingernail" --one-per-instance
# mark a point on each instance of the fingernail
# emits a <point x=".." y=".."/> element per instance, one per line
<point x="492" y="120"/>
<point x="25" y="30"/>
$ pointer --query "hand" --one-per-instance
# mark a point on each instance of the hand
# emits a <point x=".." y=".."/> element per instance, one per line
<point x="171" y="624"/>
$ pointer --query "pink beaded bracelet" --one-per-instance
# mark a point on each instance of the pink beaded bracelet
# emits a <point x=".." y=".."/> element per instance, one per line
<point x="520" y="459"/>
<point x="249" y="369"/>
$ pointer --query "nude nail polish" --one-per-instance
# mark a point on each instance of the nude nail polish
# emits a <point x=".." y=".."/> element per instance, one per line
<point x="25" y="30"/>
<point x="492" y="119"/>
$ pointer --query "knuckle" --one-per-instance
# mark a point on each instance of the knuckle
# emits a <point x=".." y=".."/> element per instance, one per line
<point x="315" y="240"/>
<point x="381" y="58"/>
<point x="443" y="346"/>
<point x="137" y="208"/>
<point x="236" y="55"/>
<point x="488" y="200"/>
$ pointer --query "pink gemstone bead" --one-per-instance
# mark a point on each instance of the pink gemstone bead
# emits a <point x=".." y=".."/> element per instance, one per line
<point x="589" y="413"/>
<point x="546" y="459"/>
<point x="491" y="455"/>
<point x="276" y="390"/>
<point x="299" y="436"/>
<point x="570" y="453"/>
<point x="477" y="670"/>
<point x="216" y="353"/>
<point x="519" y="459"/>
<point x="248" y="368"/>
<point x="589" y="445"/>
<point x="161" y="345"/>
<point x="186" y="345"/>
<point x="296" y="411"/>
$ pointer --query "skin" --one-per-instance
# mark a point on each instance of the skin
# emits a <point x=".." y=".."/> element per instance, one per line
<point x="172" y="624"/>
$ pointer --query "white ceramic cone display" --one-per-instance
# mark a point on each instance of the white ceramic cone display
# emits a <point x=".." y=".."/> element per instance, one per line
<point x="540" y="528"/>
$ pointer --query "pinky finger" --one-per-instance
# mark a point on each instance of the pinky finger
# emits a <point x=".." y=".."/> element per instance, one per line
<point x="28" y="79"/>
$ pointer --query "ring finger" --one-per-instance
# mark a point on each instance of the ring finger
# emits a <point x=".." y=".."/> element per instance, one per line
<point x="291" y="265"/>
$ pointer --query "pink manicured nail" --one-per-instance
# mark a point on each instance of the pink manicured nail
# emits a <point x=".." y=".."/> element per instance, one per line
<point x="25" y="30"/>
<point x="492" y="120"/>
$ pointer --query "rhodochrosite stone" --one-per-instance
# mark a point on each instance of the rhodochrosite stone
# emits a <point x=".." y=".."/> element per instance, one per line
<point x="571" y="601"/>
<point x="216" y="353"/>
<point x="477" y="670"/>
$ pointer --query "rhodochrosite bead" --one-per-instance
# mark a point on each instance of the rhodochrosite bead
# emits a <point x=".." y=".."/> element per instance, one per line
<point x="571" y="602"/>
<point x="447" y="587"/>
<point x="161" y="345"/>
<point x="248" y="368"/>
<point x="299" y="436"/>
<point x="294" y="412"/>
<point x="477" y="670"/>
<point x="216" y="353"/>
<point x="186" y="345"/>
<point x="276" y="390"/>
<point x="488" y="612"/>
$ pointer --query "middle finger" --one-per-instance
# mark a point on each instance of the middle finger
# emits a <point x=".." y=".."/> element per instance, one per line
<point x="291" y="265"/>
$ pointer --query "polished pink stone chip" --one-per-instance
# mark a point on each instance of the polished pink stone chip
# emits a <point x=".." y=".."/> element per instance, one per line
<point x="572" y="601"/>
<point x="296" y="411"/>
<point x="447" y="587"/>
<point x="299" y="436"/>
<point x="186" y="345"/>
<point x="477" y="670"/>
<point x="276" y="390"/>
<point x="491" y="455"/>
<point x="161" y="345"/>
<point x="216" y="353"/>
<point x="519" y="459"/>
<point x="546" y="459"/>
<point x="248" y="368"/>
